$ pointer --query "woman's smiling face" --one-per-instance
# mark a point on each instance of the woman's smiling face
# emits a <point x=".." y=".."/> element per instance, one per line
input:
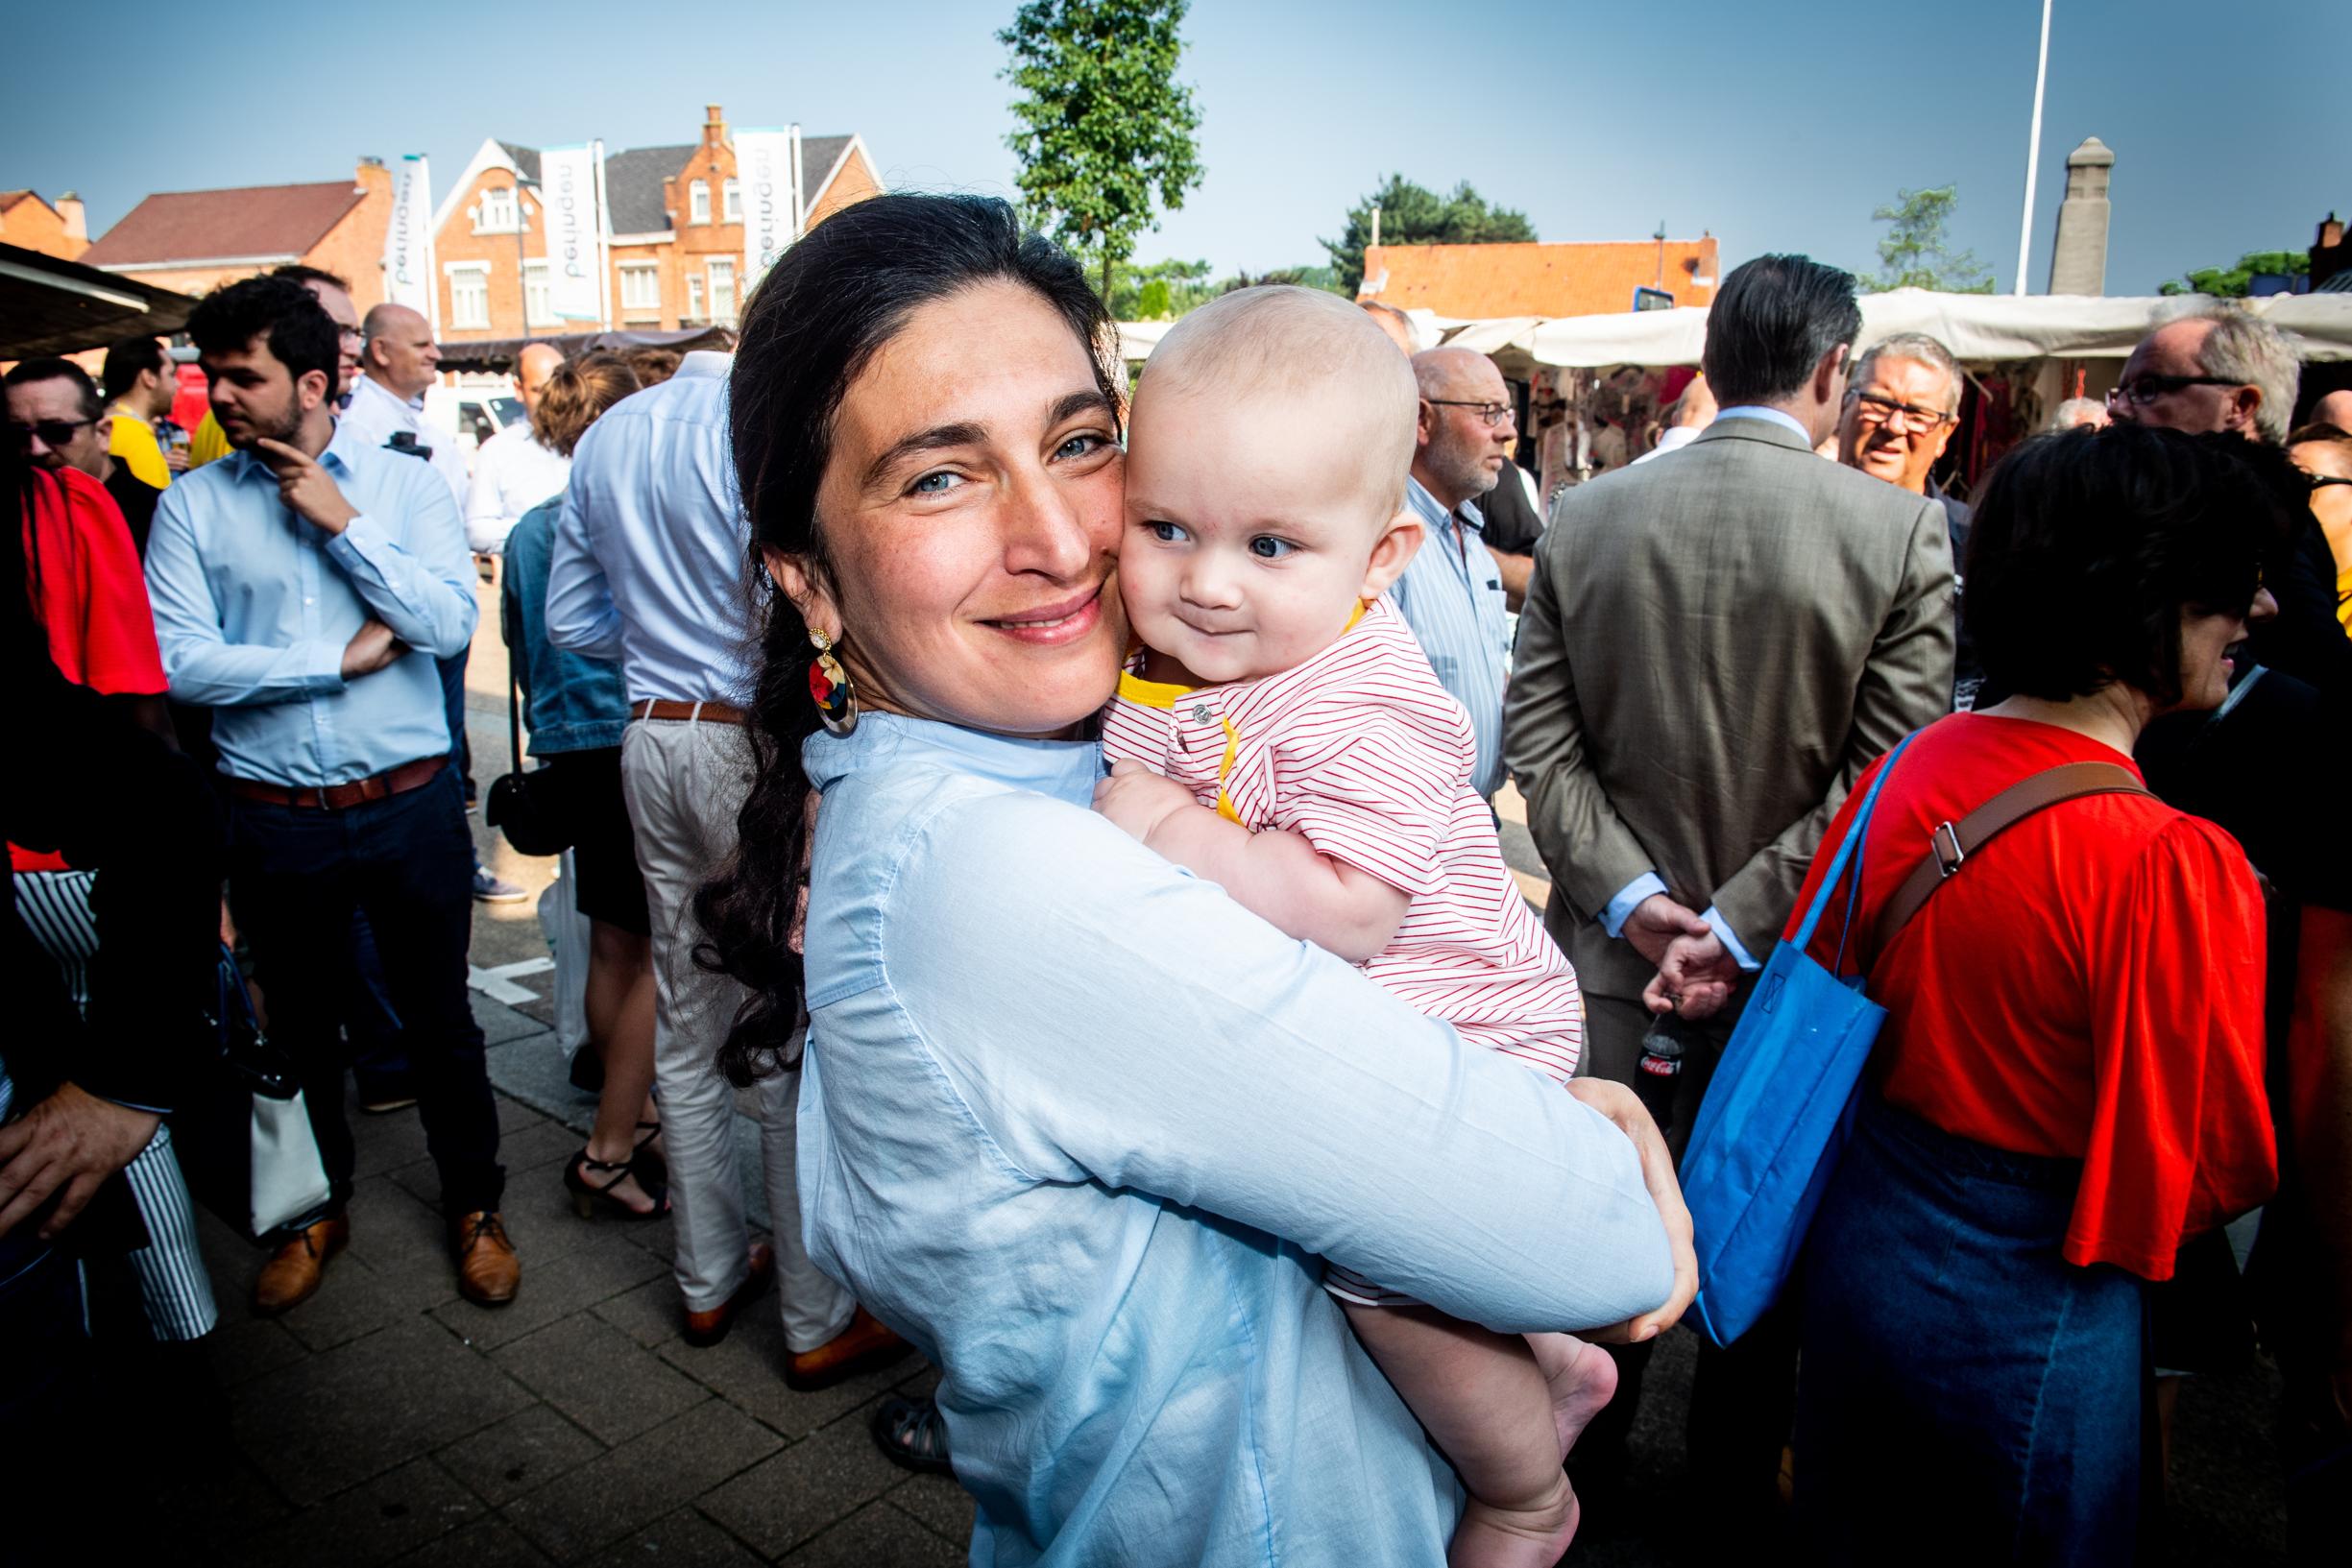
<point x="970" y="517"/>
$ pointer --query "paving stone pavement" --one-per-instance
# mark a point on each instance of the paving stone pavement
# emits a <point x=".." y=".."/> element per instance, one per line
<point x="388" y="1420"/>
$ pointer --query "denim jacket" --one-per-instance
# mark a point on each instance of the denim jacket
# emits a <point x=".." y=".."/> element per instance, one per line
<point x="572" y="701"/>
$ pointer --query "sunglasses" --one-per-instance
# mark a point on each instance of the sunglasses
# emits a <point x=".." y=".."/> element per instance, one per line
<point x="52" y="432"/>
<point x="2142" y="391"/>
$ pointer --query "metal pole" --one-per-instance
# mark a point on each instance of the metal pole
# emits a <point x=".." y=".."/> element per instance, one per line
<point x="2034" y="153"/>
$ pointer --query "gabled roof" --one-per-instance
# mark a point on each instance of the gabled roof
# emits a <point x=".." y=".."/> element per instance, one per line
<point x="10" y="198"/>
<point x="632" y="180"/>
<point x="1476" y="282"/>
<point x="817" y="157"/>
<point x="633" y="186"/>
<point x="525" y="160"/>
<point x="204" y="225"/>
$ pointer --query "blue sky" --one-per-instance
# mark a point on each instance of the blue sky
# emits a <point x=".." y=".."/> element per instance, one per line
<point x="1777" y="126"/>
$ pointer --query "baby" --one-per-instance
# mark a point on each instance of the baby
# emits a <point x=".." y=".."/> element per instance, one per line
<point x="1282" y="734"/>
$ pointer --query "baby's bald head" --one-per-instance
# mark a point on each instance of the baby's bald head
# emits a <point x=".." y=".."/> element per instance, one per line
<point x="1320" y="366"/>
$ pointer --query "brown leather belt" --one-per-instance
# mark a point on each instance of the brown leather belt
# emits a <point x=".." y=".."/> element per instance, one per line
<point x="343" y="797"/>
<point x="709" y="712"/>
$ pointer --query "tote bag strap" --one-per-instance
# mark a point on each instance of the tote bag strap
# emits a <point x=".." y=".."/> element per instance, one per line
<point x="1848" y="849"/>
<point x="1951" y="844"/>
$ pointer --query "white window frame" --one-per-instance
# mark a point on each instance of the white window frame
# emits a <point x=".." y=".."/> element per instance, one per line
<point x="499" y="213"/>
<point x="693" y="298"/>
<point x="648" y="275"/>
<point x="469" y="283"/>
<point x="538" y="300"/>
<point x="699" y="202"/>
<point x="718" y="267"/>
<point x="731" y="201"/>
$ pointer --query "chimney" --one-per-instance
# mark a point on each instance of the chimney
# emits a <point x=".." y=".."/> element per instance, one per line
<point x="372" y="176"/>
<point x="713" y="124"/>
<point x="78" y="228"/>
<point x="2078" y="261"/>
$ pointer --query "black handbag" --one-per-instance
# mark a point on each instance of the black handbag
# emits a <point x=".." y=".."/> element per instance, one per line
<point x="526" y="807"/>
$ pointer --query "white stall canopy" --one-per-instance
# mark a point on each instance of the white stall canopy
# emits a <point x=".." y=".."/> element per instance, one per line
<point x="1979" y="328"/>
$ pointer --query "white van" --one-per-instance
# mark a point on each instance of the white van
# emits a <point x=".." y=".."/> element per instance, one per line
<point x="474" y="414"/>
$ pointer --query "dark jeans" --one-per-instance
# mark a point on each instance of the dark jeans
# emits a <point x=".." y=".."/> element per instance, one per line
<point x="295" y="877"/>
<point x="370" y="1024"/>
<point x="1968" y="1394"/>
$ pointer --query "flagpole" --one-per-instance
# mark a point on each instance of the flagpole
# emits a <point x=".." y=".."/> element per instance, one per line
<point x="604" y="247"/>
<point x="2034" y="153"/>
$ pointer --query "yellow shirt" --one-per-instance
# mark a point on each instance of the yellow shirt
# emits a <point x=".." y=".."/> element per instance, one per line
<point x="207" y="445"/>
<point x="134" y="442"/>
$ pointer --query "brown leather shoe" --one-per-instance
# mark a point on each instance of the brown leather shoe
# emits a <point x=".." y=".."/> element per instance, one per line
<point x="486" y="1268"/>
<point x="292" y="1275"/>
<point x="861" y="1347"/>
<point x="704" y="1329"/>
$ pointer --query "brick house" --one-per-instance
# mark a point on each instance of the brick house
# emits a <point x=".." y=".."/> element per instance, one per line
<point x="674" y="226"/>
<point x="194" y="241"/>
<point x="31" y="222"/>
<point x="1480" y="282"/>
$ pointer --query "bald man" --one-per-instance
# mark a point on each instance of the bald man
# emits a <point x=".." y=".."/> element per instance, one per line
<point x="513" y="471"/>
<point x="399" y="360"/>
<point x="2336" y="409"/>
<point x="1453" y="595"/>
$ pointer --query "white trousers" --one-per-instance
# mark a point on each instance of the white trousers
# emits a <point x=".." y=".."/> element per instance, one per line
<point x="685" y="780"/>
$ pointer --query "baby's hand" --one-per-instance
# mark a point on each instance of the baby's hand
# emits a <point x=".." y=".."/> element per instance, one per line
<point x="1139" y="800"/>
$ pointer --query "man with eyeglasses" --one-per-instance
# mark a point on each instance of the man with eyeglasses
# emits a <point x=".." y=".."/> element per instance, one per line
<point x="1457" y="592"/>
<point x="1903" y="404"/>
<point x="57" y="420"/>
<point x="2226" y="368"/>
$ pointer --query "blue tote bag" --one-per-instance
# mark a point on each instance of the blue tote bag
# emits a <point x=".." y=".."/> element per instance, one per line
<point x="1780" y="1108"/>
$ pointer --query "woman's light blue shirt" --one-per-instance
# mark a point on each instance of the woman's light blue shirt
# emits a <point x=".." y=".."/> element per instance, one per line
<point x="1082" y="1127"/>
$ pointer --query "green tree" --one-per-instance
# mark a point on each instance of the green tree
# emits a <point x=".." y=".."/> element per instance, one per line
<point x="2235" y="283"/>
<point x="1915" y="255"/>
<point x="1412" y="214"/>
<point x="1105" y="137"/>
<point x="1158" y="291"/>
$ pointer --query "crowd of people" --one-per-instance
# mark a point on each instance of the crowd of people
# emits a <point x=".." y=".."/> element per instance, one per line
<point x="1069" y="809"/>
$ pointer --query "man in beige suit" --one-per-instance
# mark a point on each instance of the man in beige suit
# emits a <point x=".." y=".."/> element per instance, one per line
<point x="1714" y="646"/>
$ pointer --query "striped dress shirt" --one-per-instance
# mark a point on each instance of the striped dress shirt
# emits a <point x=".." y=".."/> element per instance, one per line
<point x="1452" y="596"/>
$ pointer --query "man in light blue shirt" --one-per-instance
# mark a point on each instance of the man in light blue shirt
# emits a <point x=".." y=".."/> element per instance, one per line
<point x="651" y="566"/>
<point x="303" y="589"/>
<point x="1454" y="592"/>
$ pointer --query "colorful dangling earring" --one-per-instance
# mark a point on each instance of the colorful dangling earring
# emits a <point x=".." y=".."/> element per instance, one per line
<point x="837" y="698"/>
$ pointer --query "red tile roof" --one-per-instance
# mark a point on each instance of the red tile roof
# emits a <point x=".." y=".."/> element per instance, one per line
<point x="202" y="225"/>
<point x="1480" y="281"/>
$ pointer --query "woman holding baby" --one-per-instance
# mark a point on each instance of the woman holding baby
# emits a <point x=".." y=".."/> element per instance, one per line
<point x="1079" y="1122"/>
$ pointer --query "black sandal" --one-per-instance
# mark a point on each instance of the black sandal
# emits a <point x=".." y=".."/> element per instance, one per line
<point x="649" y="1161"/>
<point x="587" y="1194"/>
<point x="913" y="1434"/>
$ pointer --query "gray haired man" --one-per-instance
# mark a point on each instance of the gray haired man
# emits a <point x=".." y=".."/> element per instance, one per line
<point x="2223" y="368"/>
<point x="1902" y="405"/>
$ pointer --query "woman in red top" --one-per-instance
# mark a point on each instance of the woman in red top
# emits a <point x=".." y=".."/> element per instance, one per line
<point x="2069" y="1080"/>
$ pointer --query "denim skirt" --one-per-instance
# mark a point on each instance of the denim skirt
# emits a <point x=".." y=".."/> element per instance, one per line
<point x="1966" y="1394"/>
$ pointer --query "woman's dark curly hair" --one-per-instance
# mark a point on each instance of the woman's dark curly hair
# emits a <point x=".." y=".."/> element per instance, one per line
<point x="831" y="303"/>
<point x="2088" y="544"/>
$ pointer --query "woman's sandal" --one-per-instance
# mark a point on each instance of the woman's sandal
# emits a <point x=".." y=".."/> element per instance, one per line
<point x="912" y="1433"/>
<point x="586" y="1193"/>
<point x="649" y="1161"/>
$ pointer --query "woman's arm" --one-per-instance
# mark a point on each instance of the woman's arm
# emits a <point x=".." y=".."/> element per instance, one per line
<point x="1108" y="1019"/>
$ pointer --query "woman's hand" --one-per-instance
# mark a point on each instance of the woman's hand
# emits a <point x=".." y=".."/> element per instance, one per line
<point x="1624" y="1108"/>
<point x="1138" y="799"/>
